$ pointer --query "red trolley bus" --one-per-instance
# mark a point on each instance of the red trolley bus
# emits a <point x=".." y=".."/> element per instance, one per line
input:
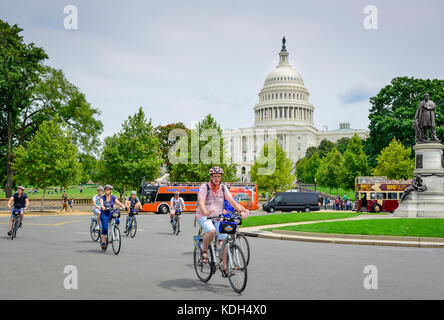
<point x="157" y="198"/>
<point x="376" y="194"/>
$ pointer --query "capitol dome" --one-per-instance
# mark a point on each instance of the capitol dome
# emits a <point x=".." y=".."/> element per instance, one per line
<point x="284" y="99"/>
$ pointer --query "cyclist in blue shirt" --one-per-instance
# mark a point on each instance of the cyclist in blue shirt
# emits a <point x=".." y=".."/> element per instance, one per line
<point x="107" y="202"/>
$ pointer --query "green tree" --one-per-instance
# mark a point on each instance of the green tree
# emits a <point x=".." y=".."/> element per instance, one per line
<point x="310" y="168"/>
<point x="354" y="163"/>
<point x="395" y="162"/>
<point x="393" y="110"/>
<point x="279" y="176"/>
<point x="196" y="168"/>
<point x="329" y="170"/>
<point x="50" y="159"/>
<point x="89" y="165"/>
<point x="20" y="67"/>
<point x="300" y="168"/>
<point x="310" y="152"/>
<point x="324" y="148"/>
<point x="342" y="144"/>
<point x="31" y="93"/>
<point x="162" y="133"/>
<point x="131" y="155"/>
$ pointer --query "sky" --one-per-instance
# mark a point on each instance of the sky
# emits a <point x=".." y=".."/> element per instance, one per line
<point x="180" y="60"/>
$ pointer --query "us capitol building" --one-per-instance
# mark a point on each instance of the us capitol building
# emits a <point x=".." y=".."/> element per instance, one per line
<point x="283" y="113"/>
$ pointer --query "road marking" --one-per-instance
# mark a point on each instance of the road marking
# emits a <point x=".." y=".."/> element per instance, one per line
<point x="48" y="224"/>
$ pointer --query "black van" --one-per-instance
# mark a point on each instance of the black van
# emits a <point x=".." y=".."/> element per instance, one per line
<point x="293" y="201"/>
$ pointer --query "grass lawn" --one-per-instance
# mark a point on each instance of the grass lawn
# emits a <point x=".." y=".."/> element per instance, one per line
<point x="252" y="221"/>
<point x="413" y="227"/>
<point x="87" y="193"/>
<point x="350" y="193"/>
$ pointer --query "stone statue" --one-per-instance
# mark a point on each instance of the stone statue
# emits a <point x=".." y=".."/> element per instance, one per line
<point x="415" y="186"/>
<point x="424" y="121"/>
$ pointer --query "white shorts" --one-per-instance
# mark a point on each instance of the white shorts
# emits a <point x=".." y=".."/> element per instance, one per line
<point x="208" y="225"/>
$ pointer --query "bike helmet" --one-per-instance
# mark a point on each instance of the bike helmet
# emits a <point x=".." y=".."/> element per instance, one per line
<point x="134" y="192"/>
<point x="216" y="170"/>
<point x="177" y="192"/>
<point x="21" y="187"/>
<point x="99" y="188"/>
<point x="108" y="186"/>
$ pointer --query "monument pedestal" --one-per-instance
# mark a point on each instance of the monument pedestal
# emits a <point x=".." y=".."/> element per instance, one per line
<point x="429" y="164"/>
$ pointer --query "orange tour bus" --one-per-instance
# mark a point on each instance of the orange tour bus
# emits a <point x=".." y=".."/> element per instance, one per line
<point x="156" y="197"/>
<point x="376" y="194"/>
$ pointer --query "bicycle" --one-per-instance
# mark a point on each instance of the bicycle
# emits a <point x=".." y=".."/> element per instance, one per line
<point x="236" y="262"/>
<point x="176" y="223"/>
<point x="131" y="223"/>
<point x="113" y="232"/>
<point x="15" y="222"/>
<point x="95" y="233"/>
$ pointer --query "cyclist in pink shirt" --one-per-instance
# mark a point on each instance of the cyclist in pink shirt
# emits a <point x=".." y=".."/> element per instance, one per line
<point x="210" y="204"/>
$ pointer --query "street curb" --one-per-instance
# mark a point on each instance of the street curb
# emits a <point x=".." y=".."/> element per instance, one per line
<point x="419" y="242"/>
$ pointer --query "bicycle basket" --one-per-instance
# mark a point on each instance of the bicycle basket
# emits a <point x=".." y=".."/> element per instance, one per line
<point x="115" y="214"/>
<point x="227" y="227"/>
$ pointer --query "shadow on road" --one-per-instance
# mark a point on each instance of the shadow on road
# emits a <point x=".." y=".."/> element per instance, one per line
<point x="189" y="285"/>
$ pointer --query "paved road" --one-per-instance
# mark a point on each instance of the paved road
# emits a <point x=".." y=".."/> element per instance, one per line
<point x="158" y="265"/>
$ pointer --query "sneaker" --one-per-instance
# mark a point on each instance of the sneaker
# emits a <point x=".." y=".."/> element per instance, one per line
<point x="21" y="225"/>
<point x="9" y="233"/>
<point x="103" y="244"/>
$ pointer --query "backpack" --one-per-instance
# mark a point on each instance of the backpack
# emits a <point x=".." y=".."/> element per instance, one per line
<point x="208" y="191"/>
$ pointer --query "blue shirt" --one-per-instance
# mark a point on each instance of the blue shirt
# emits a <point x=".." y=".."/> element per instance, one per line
<point x="110" y="203"/>
<point x="228" y="207"/>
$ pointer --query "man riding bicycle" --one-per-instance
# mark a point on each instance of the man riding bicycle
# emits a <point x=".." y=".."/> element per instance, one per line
<point x="21" y="202"/>
<point x="107" y="202"/>
<point x="132" y="203"/>
<point x="96" y="205"/>
<point x="210" y="202"/>
<point x="177" y="206"/>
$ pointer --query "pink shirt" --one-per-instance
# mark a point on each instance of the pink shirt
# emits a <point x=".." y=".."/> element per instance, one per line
<point x="215" y="201"/>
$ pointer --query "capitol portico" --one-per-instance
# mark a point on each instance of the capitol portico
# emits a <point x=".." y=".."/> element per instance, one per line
<point x="283" y="112"/>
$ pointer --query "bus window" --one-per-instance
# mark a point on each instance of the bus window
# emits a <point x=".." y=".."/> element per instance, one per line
<point x="188" y="197"/>
<point x="242" y="197"/>
<point x="381" y="196"/>
<point x="392" y="195"/>
<point x="372" y="196"/>
<point x="363" y="195"/>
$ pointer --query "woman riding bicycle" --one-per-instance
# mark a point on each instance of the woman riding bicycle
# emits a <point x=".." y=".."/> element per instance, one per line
<point x="210" y="205"/>
<point x="107" y="202"/>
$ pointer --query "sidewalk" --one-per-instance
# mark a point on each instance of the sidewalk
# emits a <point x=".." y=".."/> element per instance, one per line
<point x="422" y="242"/>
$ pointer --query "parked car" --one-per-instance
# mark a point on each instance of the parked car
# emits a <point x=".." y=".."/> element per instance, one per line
<point x="293" y="201"/>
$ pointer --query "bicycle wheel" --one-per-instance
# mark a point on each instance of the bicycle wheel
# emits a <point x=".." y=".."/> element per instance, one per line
<point x="15" y="227"/>
<point x="242" y="242"/>
<point x="174" y="224"/>
<point x="203" y="269"/>
<point x="95" y="234"/>
<point x="237" y="268"/>
<point x="116" y="240"/>
<point x="133" y="227"/>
